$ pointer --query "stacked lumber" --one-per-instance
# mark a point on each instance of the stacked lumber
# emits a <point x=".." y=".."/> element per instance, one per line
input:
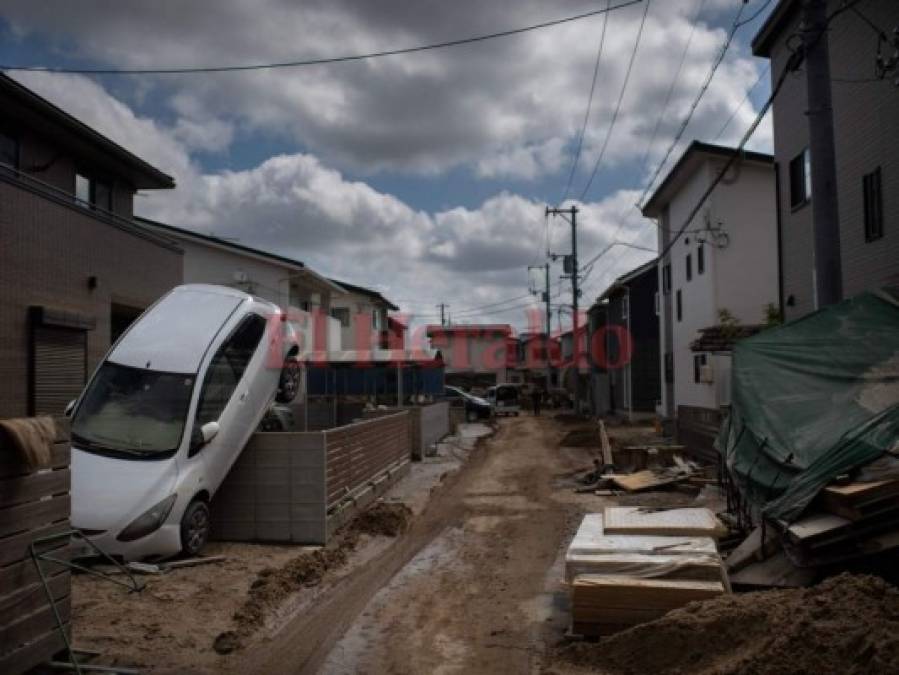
<point x="848" y="521"/>
<point x="621" y="579"/>
<point x="605" y="604"/>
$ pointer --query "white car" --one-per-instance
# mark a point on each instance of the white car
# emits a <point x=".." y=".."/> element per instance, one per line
<point x="167" y="413"/>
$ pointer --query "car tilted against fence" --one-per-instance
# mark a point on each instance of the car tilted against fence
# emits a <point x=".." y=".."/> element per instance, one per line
<point x="167" y="413"/>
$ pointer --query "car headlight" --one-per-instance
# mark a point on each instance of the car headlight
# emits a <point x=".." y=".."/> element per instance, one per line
<point x="150" y="521"/>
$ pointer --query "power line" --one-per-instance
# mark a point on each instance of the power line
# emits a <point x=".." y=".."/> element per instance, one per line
<point x="321" y="61"/>
<point x="580" y="140"/>
<point x="674" y="81"/>
<point x="755" y="14"/>
<point x="627" y="77"/>
<point x="702" y="90"/>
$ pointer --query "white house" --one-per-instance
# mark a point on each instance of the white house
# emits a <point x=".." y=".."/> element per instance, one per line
<point x="475" y="356"/>
<point x="286" y="282"/>
<point x="725" y="265"/>
<point x="364" y="324"/>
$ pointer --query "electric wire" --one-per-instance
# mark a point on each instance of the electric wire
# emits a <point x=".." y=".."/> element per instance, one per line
<point x="320" y="61"/>
<point x="695" y="104"/>
<point x="580" y="139"/>
<point x="627" y="77"/>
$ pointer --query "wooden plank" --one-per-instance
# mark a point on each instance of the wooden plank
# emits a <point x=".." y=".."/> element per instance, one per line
<point x="607" y="459"/>
<point x="644" y="480"/>
<point x="860" y="500"/>
<point x="34" y="514"/>
<point x="687" y="522"/>
<point x="775" y="572"/>
<point x="24" y="573"/>
<point x="751" y="549"/>
<point x="24" y="628"/>
<point x="40" y="650"/>
<point x="32" y="487"/>
<point x="696" y="567"/>
<point x="10" y="465"/>
<point x="15" y="548"/>
<point x="30" y="598"/>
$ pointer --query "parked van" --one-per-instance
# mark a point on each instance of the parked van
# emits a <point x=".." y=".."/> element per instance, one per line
<point x="168" y="411"/>
<point x="505" y="399"/>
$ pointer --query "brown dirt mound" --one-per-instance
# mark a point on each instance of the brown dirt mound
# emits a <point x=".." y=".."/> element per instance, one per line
<point x="272" y="586"/>
<point x="388" y="519"/>
<point x="847" y="625"/>
<point x="588" y="437"/>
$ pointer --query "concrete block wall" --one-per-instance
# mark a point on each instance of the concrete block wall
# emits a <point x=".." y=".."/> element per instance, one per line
<point x="298" y="486"/>
<point x="427" y="424"/>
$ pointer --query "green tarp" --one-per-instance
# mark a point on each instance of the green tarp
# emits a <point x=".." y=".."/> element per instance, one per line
<point x="811" y="400"/>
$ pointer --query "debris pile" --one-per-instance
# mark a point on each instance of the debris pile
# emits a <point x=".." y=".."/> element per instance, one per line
<point x="847" y="624"/>
<point x="632" y="565"/>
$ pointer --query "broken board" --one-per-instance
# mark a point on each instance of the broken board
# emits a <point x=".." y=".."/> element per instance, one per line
<point x="592" y="539"/>
<point x="859" y="500"/>
<point x="614" y="601"/>
<point x="775" y="572"/>
<point x="644" y="480"/>
<point x="688" y="522"/>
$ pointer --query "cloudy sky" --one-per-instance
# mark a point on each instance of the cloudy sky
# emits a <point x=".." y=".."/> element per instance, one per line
<point x="423" y="175"/>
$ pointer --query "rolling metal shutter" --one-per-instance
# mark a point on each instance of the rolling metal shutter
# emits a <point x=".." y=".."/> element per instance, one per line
<point x="60" y="368"/>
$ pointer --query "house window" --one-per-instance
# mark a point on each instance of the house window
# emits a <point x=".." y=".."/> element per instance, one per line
<point x="700" y="259"/>
<point x="625" y="302"/>
<point x="342" y="314"/>
<point x="669" y="367"/>
<point x="689" y="268"/>
<point x="93" y="192"/>
<point x="800" y="179"/>
<point x="699" y="360"/>
<point x="680" y="305"/>
<point x="873" y="196"/>
<point x="9" y="151"/>
<point x="666" y="278"/>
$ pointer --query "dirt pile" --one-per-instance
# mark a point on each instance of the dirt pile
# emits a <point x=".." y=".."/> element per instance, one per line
<point x="273" y="585"/>
<point x="847" y="624"/>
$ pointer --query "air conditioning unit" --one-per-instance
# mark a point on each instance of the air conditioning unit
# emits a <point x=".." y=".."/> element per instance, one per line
<point x="706" y="374"/>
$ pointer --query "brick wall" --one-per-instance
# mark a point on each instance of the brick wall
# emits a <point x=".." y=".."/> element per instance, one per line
<point x="48" y="250"/>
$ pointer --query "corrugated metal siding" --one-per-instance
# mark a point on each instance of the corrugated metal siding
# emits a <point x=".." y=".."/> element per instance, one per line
<point x="60" y="368"/>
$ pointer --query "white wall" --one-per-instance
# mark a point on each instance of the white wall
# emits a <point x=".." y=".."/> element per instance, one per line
<point x="466" y="353"/>
<point x="359" y="306"/>
<point x="740" y="276"/>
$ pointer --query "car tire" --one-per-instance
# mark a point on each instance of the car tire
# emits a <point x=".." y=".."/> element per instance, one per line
<point x="194" y="528"/>
<point x="289" y="382"/>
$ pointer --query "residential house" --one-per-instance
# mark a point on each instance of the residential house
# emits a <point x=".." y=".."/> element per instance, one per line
<point x="627" y="345"/>
<point x="75" y="267"/>
<point x="575" y="380"/>
<point x="475" y="356"/>
<point x="362" y="313"/>
<point x="534" y="360"/>
<point x="866" y="122"/>
<point x="285" y="281"/>
<point x="724" y="266"/>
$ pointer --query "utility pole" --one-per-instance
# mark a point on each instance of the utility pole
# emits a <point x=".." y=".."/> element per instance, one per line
<point x="549" y="318"/>
<point x="828" y="281"/>
<point x="442" y="307"/>
<point x="571" y="268"/>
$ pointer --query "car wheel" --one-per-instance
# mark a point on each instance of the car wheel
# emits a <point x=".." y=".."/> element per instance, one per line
<point x="194" y="528"/>
<point x="289" y="383"/>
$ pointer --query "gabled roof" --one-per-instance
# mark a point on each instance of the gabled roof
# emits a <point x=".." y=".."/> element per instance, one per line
<point x="688" y="164"/>
<point x="181" y="234"/>
<point x="774" y="24"/>
<point x="473" y="329"/>
<point x="627" y="277"/>
<point x="368" y="292"/>
<point x="87" y="144"/>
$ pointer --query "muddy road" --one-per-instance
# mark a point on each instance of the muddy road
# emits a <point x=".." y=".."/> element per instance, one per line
<point x="472" y="586"/>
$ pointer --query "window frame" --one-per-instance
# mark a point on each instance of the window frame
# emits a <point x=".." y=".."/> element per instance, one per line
<point x="679" y="302"/>
<point x="342" y="314"/>
<point x="872" y="204"/>
<point x="699" y="360"/>
<point x="700" y="259"/>
<point x="93" y="180"/>
<point x="689" y="267"/>
<point x="666" y="278"/>
<point x="16" y="148"/>
<point x="669" y="367"/>
<point x="800" y="180"/>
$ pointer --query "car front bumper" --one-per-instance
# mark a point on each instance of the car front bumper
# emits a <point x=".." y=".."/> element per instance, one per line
<point x="163" y="543"/>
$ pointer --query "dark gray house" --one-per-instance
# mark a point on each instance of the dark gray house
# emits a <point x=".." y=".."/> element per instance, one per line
<point x="624" y="344"/>
<point x="75" y="268"/>
<point x="866" y="135"/>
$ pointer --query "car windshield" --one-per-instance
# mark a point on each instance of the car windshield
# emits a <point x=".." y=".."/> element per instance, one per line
<point x="133" y="411"/>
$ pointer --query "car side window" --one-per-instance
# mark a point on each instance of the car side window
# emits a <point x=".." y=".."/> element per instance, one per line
<point x="227" y="368"/>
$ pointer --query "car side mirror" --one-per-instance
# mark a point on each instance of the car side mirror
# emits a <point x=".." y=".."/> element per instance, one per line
<point x="70" y="408"/>
<point x="200" y="436"/>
